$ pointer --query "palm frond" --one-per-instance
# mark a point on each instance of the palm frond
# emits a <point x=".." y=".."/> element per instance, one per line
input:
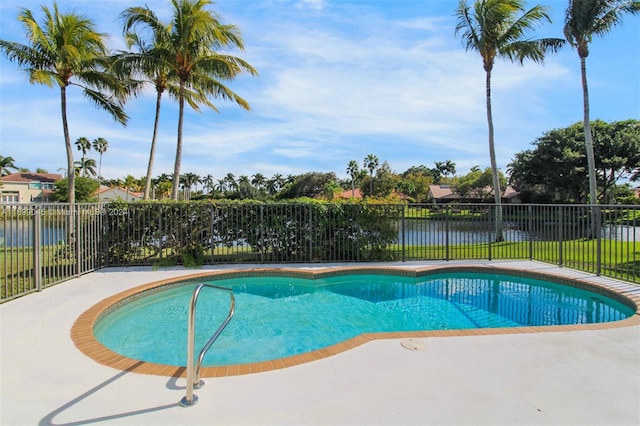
<point x="107" y="103"/>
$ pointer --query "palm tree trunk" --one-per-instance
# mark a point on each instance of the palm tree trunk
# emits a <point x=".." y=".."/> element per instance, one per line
<point x="494" y="166"/>
<point x="71" y="175"/>
<point x="67" y="143"/>
<point x="176" y="168"/>
<point x="588" y="140"/>
<point x="100" y="169"/>
<point x="147" y="183"/>
<point x="588" y="144"/>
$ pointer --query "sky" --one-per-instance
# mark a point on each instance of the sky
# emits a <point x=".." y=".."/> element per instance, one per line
<point x="338" y="80"/>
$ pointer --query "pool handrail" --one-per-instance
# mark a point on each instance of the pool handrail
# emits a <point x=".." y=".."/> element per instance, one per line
<point x="193" y="372"/>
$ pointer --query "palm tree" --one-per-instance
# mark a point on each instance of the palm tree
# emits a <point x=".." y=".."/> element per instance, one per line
<point x="67" y="51"/>
<point x="145" y="63"/>
<point x="131" y="184"/>
<point x="498" y="28"/>
<point x="83" y="144"/>
<point x="85" y="165"/>
<point x="188" y="180"/>
<point x="221" y="186"/>
<point x="370" y="163"/>
<point x="188" y="49"/>
<point x="258" y="181"/>
<point x="162" y="184"/>
<point x="446" y="168"/>
<point x="6" y="165"/>
<point x="230" y="182"/>
<point x="153" y="71"/>
<point x="100" y="145"/>
<point x="354" y="172"/>
<point x="207" y="182"/>
<point x="583" y="20"/>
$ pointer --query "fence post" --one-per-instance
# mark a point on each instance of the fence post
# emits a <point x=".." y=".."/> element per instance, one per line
<point x="262" y="248"/>
<point x="403" y="232"/>
<point x="446" y="233"/>
<point x="311" y="233"/>
<point x="76" y="212"/>
<point x="560" y="234"/>
<point x="596" y="211"/>
<point x="530" y="222"/>
<point x="492" y="214"/>
<point x="37" y="246"/>
<point x="211" y="216"/>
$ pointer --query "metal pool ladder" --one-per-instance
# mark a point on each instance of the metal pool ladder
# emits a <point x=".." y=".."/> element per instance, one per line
<point x="193" y="372"/>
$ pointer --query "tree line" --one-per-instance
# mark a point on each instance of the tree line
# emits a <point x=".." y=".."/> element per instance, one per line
<point x="554" y="170"/>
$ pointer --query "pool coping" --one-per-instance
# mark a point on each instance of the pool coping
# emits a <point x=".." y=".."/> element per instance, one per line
<point x="84" y="339"/>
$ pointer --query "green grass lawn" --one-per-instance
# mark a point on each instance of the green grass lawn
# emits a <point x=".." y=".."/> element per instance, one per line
<point x="619" y="259"/>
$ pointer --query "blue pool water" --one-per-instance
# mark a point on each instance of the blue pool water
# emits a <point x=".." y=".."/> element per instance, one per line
<point x="277" y="317"/>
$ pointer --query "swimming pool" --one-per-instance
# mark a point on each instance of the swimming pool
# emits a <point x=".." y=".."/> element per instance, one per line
<point x="282" y="315"/>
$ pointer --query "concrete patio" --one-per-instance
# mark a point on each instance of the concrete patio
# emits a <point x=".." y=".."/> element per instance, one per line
<point x="589" y="377"/>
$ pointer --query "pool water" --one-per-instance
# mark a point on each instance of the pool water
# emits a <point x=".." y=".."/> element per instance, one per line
<point x="276" y="317"/>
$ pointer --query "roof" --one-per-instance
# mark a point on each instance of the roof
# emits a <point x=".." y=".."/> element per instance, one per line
<point x="31" y="177"/>
<point x="440" y="192"/>
<point x="351" y="194"/>
<point x="448" y="192"/>
<point x="510" y="192"/>
<point x="104" y="189"/>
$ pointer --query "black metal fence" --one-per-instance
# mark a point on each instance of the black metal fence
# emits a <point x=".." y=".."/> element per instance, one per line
<point x="44" y="244"/>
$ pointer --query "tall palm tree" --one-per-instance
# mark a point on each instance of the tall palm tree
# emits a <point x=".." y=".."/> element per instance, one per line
<point x="371" y="163"/>
<point x="66" y="50"/>
<point x="6" y="165"/>
<point x="188" y="49"/>
<point x="354" y="172"/>
<point x="583" y="20"/>
<point x="146" y="64"/>
<point x="499" y="28"/>
<point x="100" y="145"/>
<point x="83" y="144"/>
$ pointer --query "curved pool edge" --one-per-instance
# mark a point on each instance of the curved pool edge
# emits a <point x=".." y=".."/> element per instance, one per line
<point x="84" y="339"/>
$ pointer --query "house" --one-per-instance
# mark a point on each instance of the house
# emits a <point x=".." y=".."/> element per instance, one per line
<point x="27" y="187"/>
<point x="106" y="194"/>
<point x="439" y="194"/>
<point x="357" y="193"/>
<point x="636" y="192"/>
<point x="442" y="194"/>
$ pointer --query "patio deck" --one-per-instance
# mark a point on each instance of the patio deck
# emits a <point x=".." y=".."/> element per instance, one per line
<point x="564" y="378"/>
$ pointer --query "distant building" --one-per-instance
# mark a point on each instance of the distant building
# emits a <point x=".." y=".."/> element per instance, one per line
<point x="439" y="194"/>
<point x="636" y="192"/>
<point x="27" y="187"/>
<point x="106" y="194"/>
<point x="357" y="193"/>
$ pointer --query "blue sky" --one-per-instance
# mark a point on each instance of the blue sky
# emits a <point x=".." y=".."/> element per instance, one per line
<point x="338" y="80"/>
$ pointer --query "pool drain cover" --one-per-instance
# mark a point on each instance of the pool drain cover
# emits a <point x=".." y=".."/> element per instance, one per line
<point x="412" y="345"/>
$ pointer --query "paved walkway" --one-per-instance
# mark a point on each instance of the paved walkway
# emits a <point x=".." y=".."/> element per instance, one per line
<point x="561" y="378"/>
